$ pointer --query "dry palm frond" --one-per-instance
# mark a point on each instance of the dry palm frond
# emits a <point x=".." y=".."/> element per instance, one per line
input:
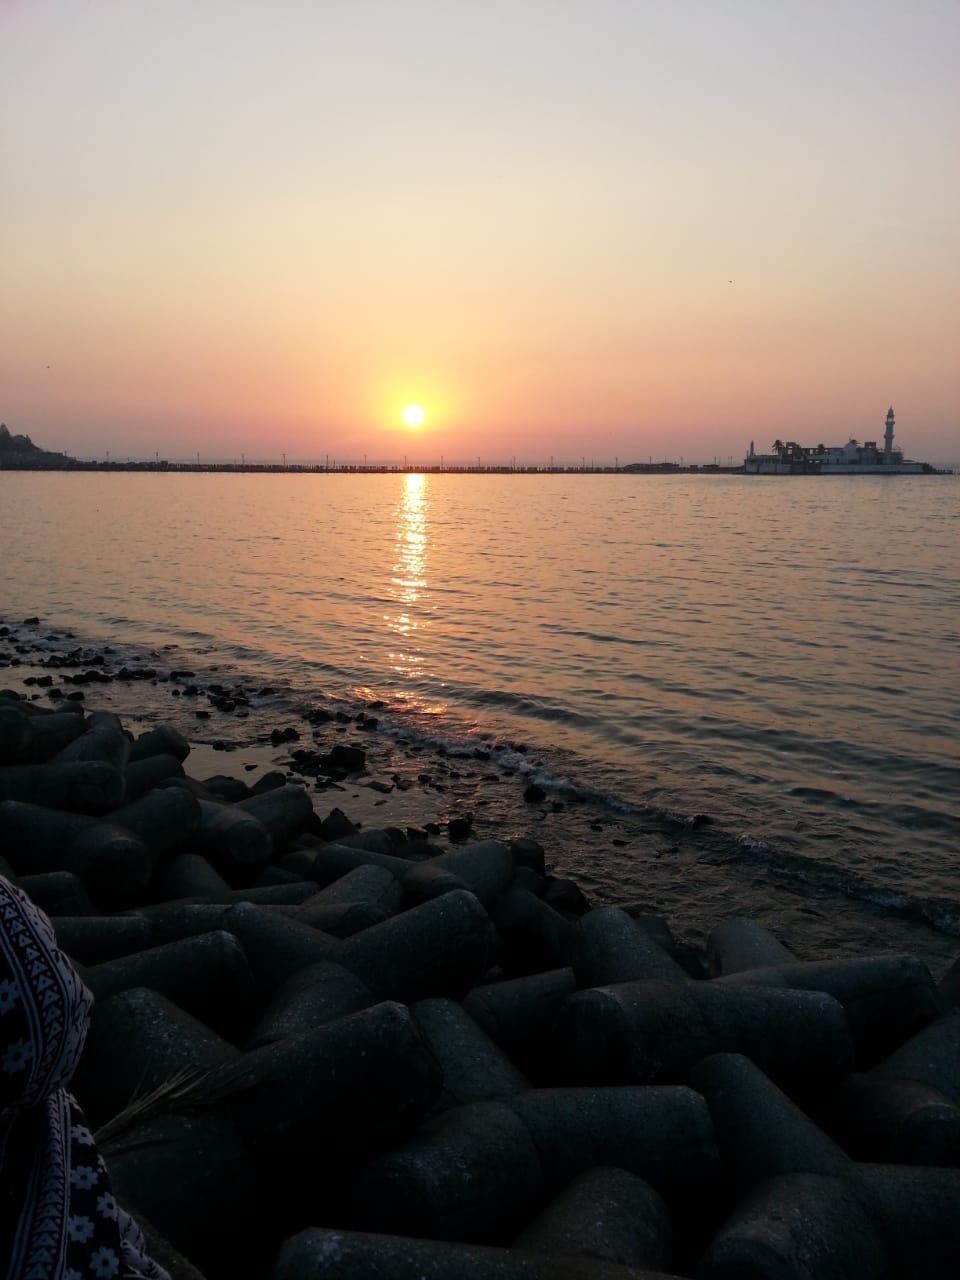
<point x="190" y="1087"/>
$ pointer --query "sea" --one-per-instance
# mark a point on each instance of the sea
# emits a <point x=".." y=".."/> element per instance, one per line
<point x="731" y="695"/>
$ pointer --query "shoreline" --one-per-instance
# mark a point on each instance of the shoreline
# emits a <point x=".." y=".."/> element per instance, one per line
<point x="688" y="867"/>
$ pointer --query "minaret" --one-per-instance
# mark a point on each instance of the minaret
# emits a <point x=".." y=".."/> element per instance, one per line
<point x="888" y="435"/>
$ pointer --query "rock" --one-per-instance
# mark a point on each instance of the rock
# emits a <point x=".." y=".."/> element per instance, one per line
<point x="528" y="853"/>
<point x="344" y="759"/>
<point x="336" y="825"/>
<point x="163" y="739"/>
<point x="534" y="794"/>
<point x="460" y="828"/>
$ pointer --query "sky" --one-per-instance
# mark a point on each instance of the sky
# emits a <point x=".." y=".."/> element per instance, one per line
<point x="601" y="228"/>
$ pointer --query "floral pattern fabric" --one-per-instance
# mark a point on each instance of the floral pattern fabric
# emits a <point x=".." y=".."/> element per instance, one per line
<point x="58" y="1218"/>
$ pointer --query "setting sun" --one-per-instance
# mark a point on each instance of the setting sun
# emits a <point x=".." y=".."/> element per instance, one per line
<point x="414" y="416"/>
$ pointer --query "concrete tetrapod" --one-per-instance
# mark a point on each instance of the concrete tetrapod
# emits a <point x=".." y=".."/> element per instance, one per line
<point x="760" y="1132"/>
<point x="518" y="1015"/>
<point x="138" y="1041"/>
<point x="662" y="1134"/>
<point x="90" y="940"/>
<point x="284" y="812"/>
<point x="346" y="1088"/>
<point x="472" y="1174"/>
<point x="485" y="867"/>
<point x="643" y="1032"/>
<point x="52" y="732"/>
<point x="207" y="975"/>
<point x="113" y="863"/>
<point x="741" y="943"/>
<point x="473" y="1068"/>
<point x="609" y="947"/>
<point x="535" y="937"/>
<point x="188" y="875"/>
<point x="163" y="739"/>
<point x="328" y="863"/>
<point x="82" y="786"/>
<point x="164" y="819"/>
<point x="190" y="1175"/>
<point x="439" y="948"/>
<point x="898" y="1121"/>
<point x="604" y="1213"/>
<point x="143" y="775"/>
<point x="58" y="893"/>
<point x="802" y="1226"/>
<point x="276" y="947"/>
<point x="887" y="998"/>
<point x="232" y="838"/>
<point x="914" y="1212"/>
<point x="102" y="739"/>
<point x="312" y="996"/>
<point x="906" y="1110"/>
<point x="320" y="1254"/>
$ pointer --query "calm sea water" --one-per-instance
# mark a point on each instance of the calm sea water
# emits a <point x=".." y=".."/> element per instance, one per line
<point x="780" y="655"/>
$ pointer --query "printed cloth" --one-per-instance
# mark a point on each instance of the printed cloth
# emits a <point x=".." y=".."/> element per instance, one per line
<point x="58" y="1219"/>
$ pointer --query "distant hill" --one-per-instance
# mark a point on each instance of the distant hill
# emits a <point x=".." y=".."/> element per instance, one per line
<point x="19" y="453"/>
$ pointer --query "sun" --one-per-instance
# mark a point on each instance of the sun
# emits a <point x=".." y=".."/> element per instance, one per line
<point x="413" y="415"/>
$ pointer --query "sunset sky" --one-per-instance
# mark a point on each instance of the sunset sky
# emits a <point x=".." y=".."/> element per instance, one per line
<point x="567" y="227"/>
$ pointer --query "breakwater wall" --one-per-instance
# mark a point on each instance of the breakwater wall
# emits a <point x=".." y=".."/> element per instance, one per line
<point x="322" y="1050"/>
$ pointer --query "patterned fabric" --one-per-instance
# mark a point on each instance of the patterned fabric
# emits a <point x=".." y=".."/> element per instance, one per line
<point x="58" y="1219"/>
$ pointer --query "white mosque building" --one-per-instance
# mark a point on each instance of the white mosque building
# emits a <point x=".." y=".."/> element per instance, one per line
<point x="851" y="459"/>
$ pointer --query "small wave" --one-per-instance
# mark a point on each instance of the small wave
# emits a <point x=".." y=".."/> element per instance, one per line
<point x="941" y="914"/>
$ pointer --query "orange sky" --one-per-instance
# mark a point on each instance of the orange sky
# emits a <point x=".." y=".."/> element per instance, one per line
<point x="601" y="229"/>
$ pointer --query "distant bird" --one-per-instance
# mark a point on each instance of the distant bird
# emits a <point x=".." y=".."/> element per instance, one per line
<point x="729" y="282"/>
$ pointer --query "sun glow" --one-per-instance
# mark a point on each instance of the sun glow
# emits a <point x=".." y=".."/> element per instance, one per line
<point x="414" y="415"/>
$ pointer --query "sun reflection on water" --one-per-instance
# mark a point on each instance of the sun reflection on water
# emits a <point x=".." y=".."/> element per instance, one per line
<point x="406" y="620"/>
